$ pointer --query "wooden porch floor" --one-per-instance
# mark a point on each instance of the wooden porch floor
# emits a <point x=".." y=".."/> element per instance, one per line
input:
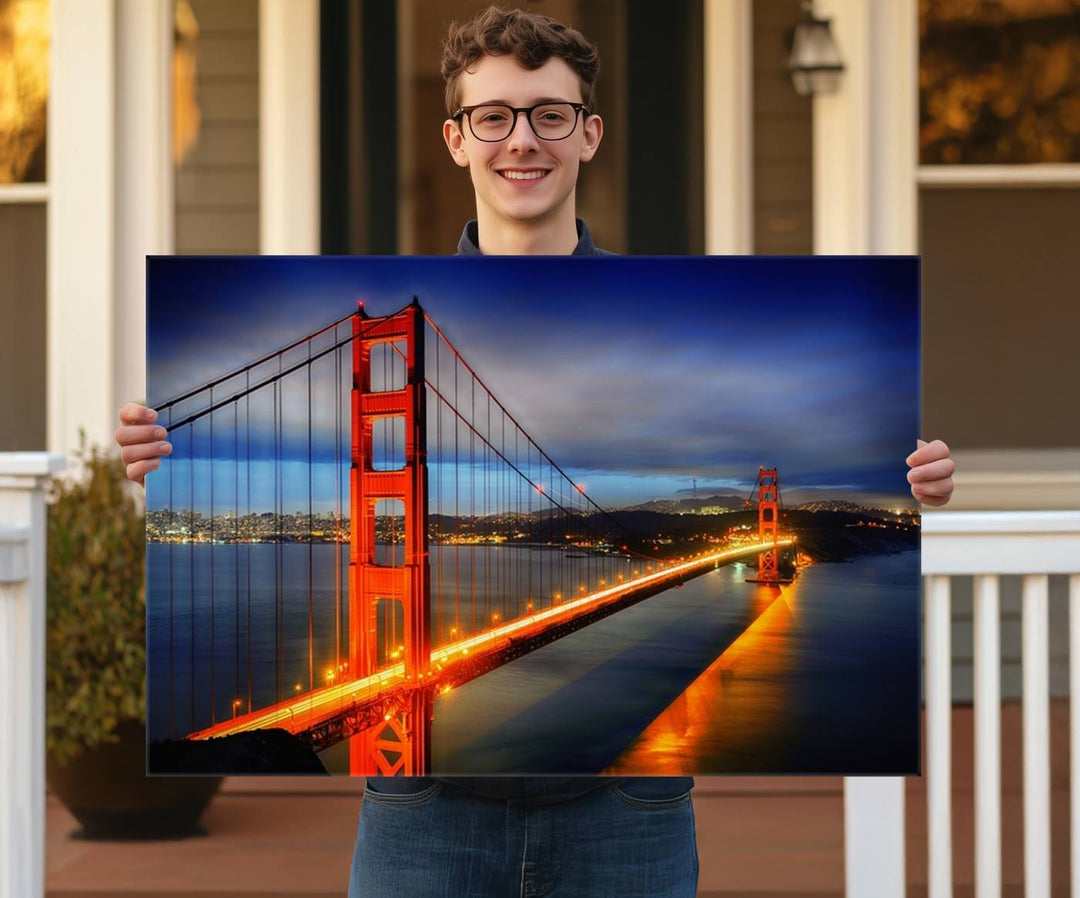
<point x="757" y="836"/>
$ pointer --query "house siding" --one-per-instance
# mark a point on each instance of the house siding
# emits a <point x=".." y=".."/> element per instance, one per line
<point x="217" y="185"/>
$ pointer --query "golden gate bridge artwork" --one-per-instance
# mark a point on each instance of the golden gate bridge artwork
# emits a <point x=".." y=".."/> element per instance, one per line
<point x="456" y="544"/>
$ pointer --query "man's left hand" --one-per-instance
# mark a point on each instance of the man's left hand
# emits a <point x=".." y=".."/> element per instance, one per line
<point x="931" y="473"/>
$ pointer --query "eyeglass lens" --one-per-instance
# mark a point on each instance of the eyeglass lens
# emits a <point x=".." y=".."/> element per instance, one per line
<point x="552" y="121"/>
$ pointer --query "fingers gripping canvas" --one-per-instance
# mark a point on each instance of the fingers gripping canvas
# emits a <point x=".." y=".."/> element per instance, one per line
<point x="459" y="516"/>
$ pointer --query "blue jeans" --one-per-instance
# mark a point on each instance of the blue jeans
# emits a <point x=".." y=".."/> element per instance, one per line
<point x="446" y="841"/>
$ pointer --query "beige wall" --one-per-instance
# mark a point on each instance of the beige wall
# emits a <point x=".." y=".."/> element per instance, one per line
<point x="783" y="174"/>
<point x="217" y="186"/>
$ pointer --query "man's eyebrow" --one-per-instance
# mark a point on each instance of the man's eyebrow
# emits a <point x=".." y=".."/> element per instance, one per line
<point x="538" y="101"/>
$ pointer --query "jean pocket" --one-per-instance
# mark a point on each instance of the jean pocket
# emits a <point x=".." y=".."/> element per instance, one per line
<point x="658" y="802"/>
<point x="405" y="799"/>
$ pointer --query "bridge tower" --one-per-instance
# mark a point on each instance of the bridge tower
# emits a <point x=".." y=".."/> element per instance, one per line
<point x="400" y="743"/>
<point x="768" y="489"/>
<point x="768" y="515"/>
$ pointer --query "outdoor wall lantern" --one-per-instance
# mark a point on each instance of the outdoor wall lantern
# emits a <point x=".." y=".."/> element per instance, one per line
<point x="814" y="64"/>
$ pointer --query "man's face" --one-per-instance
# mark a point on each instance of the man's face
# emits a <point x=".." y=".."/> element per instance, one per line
<point x="522" y="178"/>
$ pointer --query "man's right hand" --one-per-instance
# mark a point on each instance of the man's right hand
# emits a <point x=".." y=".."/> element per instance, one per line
<point x="142" y="442"/>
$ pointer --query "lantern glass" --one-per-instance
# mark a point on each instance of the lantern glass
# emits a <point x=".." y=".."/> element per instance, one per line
<point x="814" y="64"/>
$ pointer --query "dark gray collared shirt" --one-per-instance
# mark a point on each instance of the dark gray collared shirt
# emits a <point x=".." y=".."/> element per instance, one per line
<point x="469" y="244"/>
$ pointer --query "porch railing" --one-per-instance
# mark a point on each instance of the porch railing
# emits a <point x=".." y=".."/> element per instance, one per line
<point x="989" y="545"/>
<point x="23" y="478"/>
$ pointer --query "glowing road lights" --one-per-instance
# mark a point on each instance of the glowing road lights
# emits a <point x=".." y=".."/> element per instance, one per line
<point x="580" y="487"/>
<point x="297" y="688"/>
<point x="236" y="703"/>
<point x="331" y="675"/>
<point x="540" y="488"/>
<point x="301" y="713"/>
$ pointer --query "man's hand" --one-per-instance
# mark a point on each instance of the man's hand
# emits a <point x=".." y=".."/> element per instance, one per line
<point x="142" y="442"/>
<point x="931" y="473"/>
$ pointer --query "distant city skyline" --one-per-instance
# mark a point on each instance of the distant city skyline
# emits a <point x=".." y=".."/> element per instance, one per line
<point x="636" y="375"/>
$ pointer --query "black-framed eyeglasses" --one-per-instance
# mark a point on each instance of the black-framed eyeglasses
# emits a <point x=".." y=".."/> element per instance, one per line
<point x="492" y="122"/>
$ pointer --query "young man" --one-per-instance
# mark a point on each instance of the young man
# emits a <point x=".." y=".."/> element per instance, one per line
<point x="520" y="98"/>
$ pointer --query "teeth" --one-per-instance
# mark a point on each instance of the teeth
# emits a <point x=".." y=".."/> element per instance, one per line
<point x="523" y="175"/>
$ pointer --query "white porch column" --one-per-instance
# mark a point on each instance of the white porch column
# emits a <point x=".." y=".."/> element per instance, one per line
<point x="289" y="126"/>
<point x="866" y="134"/>
<point x="23" y="478"/>
<point x="110" y="205"/>
<point x="144" y="194"/>
<point x="81" y="169"/>
<point x="865" y="201"/>
<point x="729" y="131"/>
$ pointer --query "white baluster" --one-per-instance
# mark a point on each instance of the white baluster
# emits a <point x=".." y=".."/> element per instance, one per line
<point x="987" y="738"/>
<point x="938" y="737"/>
<point x="1074" y="728"/>
<point x="1036" y="674"/>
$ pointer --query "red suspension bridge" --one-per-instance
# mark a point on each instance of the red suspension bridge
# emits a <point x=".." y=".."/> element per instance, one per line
<point x="468" y="546"/>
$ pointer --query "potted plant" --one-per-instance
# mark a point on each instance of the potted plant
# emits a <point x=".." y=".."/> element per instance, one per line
<point x="95" y="713"/>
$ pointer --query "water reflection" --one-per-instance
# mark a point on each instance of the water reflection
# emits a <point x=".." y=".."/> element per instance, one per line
<point x="722" y="676"/>
<point x="733" y="712"/>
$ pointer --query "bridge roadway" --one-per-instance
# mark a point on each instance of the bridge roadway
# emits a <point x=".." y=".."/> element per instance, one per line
<point x="461" y="661"/>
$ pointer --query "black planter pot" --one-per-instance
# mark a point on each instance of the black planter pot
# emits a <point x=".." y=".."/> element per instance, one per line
<point x="108" y="792"/>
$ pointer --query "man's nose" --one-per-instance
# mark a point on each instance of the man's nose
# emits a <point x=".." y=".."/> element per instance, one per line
<point x="522" y="136"/>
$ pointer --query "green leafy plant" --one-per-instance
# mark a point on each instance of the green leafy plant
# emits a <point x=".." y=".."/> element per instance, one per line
<point x="96" y="606"/>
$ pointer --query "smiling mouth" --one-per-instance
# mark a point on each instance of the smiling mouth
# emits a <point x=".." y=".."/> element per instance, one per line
<point x="534" y="175"/>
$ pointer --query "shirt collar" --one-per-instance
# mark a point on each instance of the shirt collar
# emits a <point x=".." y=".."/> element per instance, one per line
<point x="469" y="244"/>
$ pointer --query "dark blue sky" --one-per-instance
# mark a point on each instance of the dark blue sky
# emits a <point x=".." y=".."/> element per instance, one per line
<point x="634" y="373"/>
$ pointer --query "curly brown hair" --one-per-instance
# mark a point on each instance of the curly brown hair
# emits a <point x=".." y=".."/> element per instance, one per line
<point x="532" y="39"/>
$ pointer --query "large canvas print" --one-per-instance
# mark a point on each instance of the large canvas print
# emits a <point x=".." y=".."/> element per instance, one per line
<point x="470" y="516"/>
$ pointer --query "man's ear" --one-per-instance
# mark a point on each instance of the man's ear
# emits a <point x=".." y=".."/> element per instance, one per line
<point x="455" y="143"/>
<point x="594" y="131"/>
